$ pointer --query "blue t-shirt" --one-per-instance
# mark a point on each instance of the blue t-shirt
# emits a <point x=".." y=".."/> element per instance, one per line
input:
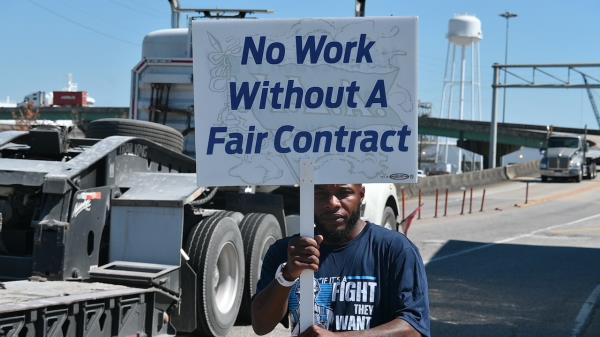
<point x="375" y="278"/>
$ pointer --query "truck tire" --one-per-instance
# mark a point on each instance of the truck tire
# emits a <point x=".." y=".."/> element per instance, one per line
<point x="259" y="232"/>
<point x="591" y="172"/>
<point x="236" y="216"/>
<point x="544" y="179"/>
<point x="158" y="133"/>
<point x="586" y="174"/>
<point x="216" y="253"/>
<point x="579" y="176"/>
<point x="389" y="219"/>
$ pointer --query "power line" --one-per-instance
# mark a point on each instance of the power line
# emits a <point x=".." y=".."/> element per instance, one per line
<point x="140" y="10"/>
<point x="86" y="27"/>
<point x="151" y="7"/>
<point x="73" y="5"/>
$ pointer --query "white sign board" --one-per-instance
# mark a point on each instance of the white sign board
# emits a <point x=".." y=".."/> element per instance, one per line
<point x="340" y="93"/>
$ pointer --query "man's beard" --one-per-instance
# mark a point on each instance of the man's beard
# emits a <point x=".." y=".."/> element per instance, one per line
<point x="341" y="235"/>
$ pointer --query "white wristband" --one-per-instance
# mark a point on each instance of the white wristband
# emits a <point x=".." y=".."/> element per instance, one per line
<point x="280" y="279"/>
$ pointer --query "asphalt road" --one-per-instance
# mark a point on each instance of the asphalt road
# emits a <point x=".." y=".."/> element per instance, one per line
<point x="514" y="269"/>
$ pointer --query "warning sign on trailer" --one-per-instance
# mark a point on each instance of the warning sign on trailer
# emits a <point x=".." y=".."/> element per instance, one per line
<point x="339" y="92"/>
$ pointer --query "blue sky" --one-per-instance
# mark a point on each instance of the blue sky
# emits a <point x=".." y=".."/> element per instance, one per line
<point x="100" y="41"/>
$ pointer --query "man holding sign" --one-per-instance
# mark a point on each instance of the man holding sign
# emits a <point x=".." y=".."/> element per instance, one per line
<point x="366" y="277"/>
<point x="318" y="101"/>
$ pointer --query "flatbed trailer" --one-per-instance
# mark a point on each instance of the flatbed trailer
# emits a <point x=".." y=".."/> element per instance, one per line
<point x="123" y="209"/>
<point x="70" y="309"/>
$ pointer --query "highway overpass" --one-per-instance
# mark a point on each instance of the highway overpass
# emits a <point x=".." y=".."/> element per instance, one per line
<point x="472" y="135"/>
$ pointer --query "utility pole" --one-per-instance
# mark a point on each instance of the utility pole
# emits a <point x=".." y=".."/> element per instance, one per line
<point x="507" y="15"/>
<point x="493" y="121"/>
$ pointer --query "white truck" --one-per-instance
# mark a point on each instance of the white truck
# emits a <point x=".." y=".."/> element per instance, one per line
<point x="38" y="99"/>
<point x="109" y="235"/>
<point x="568" y="156"/>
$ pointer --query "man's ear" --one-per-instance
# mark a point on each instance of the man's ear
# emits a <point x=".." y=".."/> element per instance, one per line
<point x="362" y="192"/>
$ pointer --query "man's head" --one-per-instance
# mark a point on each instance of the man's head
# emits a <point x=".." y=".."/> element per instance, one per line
<point x="337" y="211"/>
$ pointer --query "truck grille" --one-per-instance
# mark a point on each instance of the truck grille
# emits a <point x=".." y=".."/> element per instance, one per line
<point x="558" y="163"/>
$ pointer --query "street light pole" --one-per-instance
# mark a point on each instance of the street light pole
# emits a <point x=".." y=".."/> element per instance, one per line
<point x="507" y="15"/>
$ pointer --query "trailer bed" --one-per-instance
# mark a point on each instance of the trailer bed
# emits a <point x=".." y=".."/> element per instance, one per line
<point x="78" y="309"/>
<point x="27" y="295"/>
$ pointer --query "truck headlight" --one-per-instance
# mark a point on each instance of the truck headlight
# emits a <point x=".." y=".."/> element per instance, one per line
<point x="574" y="163"/>
<point x="543" y="165"/>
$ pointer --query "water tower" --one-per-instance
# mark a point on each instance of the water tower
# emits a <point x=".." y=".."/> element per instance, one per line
<point x="464" y="34"/>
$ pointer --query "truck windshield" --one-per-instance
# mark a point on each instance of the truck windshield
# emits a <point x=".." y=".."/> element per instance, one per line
<point x="563" y="142"/>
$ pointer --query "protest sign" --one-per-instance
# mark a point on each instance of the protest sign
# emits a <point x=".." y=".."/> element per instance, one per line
<point x="340" y="93"/>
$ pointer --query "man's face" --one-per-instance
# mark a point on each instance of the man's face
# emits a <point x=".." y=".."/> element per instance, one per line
<point x="337" y="210"/>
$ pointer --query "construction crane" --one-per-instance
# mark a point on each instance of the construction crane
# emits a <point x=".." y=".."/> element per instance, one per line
<point x="592" y="100"/>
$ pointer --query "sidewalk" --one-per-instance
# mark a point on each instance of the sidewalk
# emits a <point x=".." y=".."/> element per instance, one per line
<point x="497" y="197"/>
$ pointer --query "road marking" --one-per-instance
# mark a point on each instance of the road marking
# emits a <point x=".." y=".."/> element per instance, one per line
<point x="585" y="313"/>
<point x="578" y="230"/>
<point x="434" y="242"/>
<point x="514" y="238"/>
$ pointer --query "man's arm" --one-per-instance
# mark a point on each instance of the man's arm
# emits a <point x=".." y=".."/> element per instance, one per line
<point x="409" y="290"/>
<point x="394" y="328"/>
<point x="270" y="305"/>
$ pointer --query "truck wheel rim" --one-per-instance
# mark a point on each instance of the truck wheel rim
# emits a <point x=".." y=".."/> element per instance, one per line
<point x="226" y="278"/>
<point x="388" y="225"/>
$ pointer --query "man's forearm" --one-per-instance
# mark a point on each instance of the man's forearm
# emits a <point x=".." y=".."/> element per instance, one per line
<point x="269" y="307"/>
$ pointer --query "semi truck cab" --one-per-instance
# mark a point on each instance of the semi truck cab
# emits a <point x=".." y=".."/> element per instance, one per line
<point x="564" y="157"/>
